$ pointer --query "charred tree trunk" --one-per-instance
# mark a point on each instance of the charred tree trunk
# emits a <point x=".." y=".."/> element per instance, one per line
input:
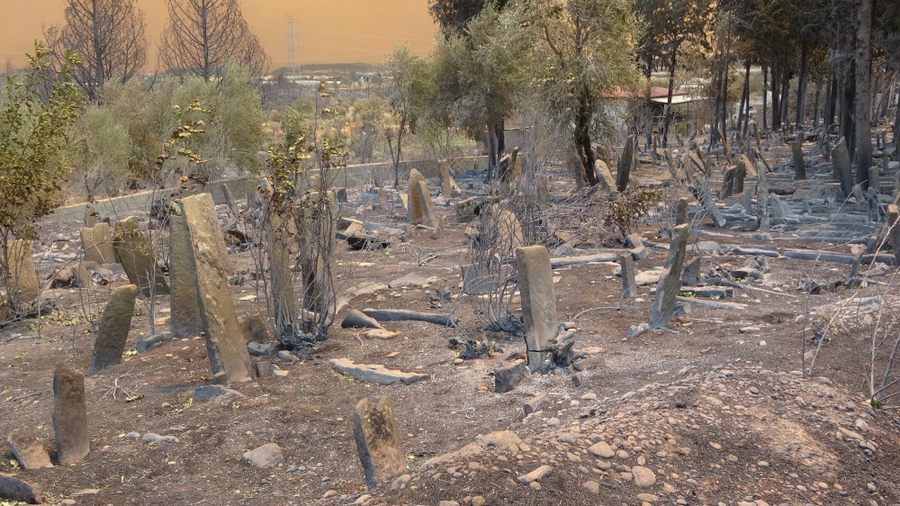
<point x="862" y="103"/>
<point x="831" y="104"/>
<point x="847" y="98"/>
<point x="801" y="88"/>
<point x="583" y="137"/>
<point x="765" y="121"/>
<point x="776" y="100"/>
<point x="785" y="96"/>
<point x="818" y="95"/>
<point x="668" y="117"/>
<point x="745" y="101"/>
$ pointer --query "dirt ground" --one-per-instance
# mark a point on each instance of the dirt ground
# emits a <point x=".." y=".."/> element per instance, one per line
<point x="308" y="411"/>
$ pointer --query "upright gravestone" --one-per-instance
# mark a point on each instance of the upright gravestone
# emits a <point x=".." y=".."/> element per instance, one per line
<point x="740" y="173"/>
<point x="377" y="440"/>
<point x="22" y="284"/>
<point x="843" y="169"/>
<point x="728" y="182"/>
<point x="626" y="163"/>
<point x="797" y="158"/>
<point x="225" y="347"/>
<point x="133" y="252"/>
<point x="538" y="302"/>
<point x="629" y="284"/>
<point x="421" y="209"/>
<point x="112" y="331"/>
<point x="449" y="188"/>
<point x="670" y="280"/>
<point x="604" y="176"/>
<point x="97" y="242"/>
<point x="70" y="415"/>
<point x="186" y="320"/>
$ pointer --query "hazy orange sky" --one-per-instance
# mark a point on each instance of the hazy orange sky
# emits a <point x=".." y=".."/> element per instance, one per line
<point x="330" y="31"/>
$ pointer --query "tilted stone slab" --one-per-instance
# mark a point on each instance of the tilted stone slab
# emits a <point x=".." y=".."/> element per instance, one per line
<point x="133" y="252"/>
<point x="28" y="451"/>
<point x="538" y="302"/>
<point x="225" y="345"/>
<point x="15" y="489"/>
<point x="112" y="332"/>
<point x="70" y="415"/>
<point x="374" y="373"/>
<point x="97" y="242"/>
<point x="186" y="320"/>
<point x="667" y="290"/>
<point x="377" y="440"/>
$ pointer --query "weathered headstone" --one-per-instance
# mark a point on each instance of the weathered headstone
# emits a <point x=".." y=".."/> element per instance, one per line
<point x="604" y="176"/>
<point x="98" y="244"/>
<point x="538" y="302"/>
<point x="112" y="331"/>
<point x="728" y="182"/>
<point x="740" y="173"/>
<point x="626" y="163"/>
<point x="225" y="347"/>
<point x="28" y="451"/>
<point x="421" y="209"/>
<point x="843" y="169"/>
<point x="185" y="305"/>
<point x="797" y="159"/>
<point x="629" y="285"/>
<point x="70" y="415"/>
<point x="377" y="440"/>
<point x="670" y="280"/>
<point x="23" y="286"/>
<point x="133" y="252"/>
<point x="449" y="188"/>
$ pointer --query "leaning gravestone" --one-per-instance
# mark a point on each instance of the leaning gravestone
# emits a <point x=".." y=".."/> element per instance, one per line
<point x="377" y="440"/>
<point x="629" y="284"/>
<point x="538" y="302"/>
<point x="449" y="188"/>
<point x="843" y="169"/>
<point x="22" y="283"/>
<point x="421" y="209"/>
<point x="670" y="280"/>
<point x="97" y="242"/>
<point x="133" y="252"/>
<point x="185" y="318"/>
<point x="112" y="331"/>
<point x="626" y="163"/>
<point x="70" y="415"/>
<point x="227" y="352"/>
<point x="797" y="157"/>
<point x="604" y="176"/>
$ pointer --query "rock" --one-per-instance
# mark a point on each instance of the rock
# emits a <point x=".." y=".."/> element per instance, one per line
<point x="861" y="425"/>
<point x="401" y="481"/>
<point x="503" y="440"/>
<point x="133" y="435"/>
<point x="356" y="319"/>
<point x="643" y="477"/>
<point x="70" y="415"/>
<point x="507" y="377"/>
<point x="287" y="356"/>
<point x="148" y="343"/>
<point x="28" y="451"/>
<point x="636" y="330"/>
<point x="375" y="373"/>
<point x="266" y="456"/>
<point x="381" y="334"/>
<point x="535" y="403"/>
<point x="592" y="487"/>
<point x="260" y="349"/>
<point x="602" y="449"/>
<point x="207" y="392"/>
<point x="377" y="440"/>
<point x="536" y="475"/>
<point x="15" y="489"/>
<point x="647" y="497"/>
<point x="151" y="437"/>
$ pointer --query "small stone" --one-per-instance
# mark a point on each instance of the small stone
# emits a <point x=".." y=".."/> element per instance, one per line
<point x="754" y="390"/>
<point x="643" y="477"/>
<point x="329" y="493"/>
<point x="260" y="349"/>
<point x="133" y="435"/>
<point x="602" y="449"/>
<point x="207" y="392"/>
<point x="647" y="497"/>
<point x="535" y="475"/>
<point x="401" y="482"/>
<point x="266" y="456"/>
<point x="156" y="438"/>
<point x="478" y="501"/>
<point x="535" y="485"/>
<point x="861" y="425"/>
<point x="287" y="356"/>
<point x="592" y="487"/>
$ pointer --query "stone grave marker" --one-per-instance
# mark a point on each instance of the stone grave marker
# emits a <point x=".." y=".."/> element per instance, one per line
<point x="629" y="285"/>
<point x="670" y="280"/>
<point x="97" y="242"/>
<point x="538" y="302"/>
<point x="185" y="303"/>
<point x="133" y="252"/>
<point x="225" y="345"/>
<point x="70" y="415"/>
<point x="377" y="440"/>
<point x="112" y="332"/>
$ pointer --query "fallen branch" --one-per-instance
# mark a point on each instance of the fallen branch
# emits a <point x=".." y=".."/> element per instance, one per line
<point x="397" y="315"/>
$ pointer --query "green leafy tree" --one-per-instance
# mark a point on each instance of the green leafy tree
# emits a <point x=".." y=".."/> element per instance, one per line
<point x="101" y="150"/>
<point x="582" y="55"/>
<point x="34" y="134"/>
<point x="411" y="90"/>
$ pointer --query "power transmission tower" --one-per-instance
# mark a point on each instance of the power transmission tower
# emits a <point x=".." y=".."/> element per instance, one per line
<point x="292" y="42"/>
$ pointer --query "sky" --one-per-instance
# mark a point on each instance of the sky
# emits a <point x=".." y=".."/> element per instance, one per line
<point x="329" y="31"/>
